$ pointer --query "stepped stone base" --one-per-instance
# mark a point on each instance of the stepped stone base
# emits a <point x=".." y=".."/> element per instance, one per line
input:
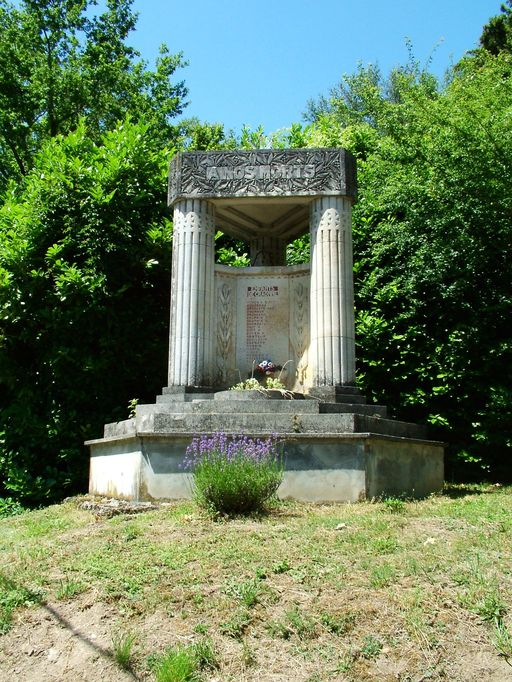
<point x="336" y="448"/>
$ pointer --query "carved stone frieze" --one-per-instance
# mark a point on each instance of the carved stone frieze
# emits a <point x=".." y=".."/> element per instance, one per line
<point x="266" y="172"/>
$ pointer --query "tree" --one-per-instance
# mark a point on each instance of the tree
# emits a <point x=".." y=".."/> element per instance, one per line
<point x="432" y="232"/>
<point x="497" y="33"/>
<point x="84" y="288"/>
<point x="60" y="64"/>
<point x="84" y="233"/>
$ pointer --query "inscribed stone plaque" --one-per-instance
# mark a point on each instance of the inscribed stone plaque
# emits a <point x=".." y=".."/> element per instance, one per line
<point x="266" y="172"/>
<point x="263" y="321"/>
<point x="262" y="313"/>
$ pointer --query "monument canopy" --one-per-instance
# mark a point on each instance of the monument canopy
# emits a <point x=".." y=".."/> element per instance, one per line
<point x="237" y="181"/>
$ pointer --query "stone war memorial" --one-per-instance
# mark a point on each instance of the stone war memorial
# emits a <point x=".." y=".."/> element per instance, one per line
<point x="226" y="320"/>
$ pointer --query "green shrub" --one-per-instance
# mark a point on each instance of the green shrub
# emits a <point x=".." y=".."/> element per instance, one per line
<point x="396" y="505"/>
<point x="9" y="507"/>
<point x="234" y="474"/>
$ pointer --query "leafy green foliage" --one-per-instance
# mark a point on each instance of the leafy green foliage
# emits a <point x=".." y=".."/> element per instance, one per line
<point x="84" y="263"/>
<point x="84" y="240"/>
<point x="9" y="507"/>
<point x="497" y="33"/>
<point x="431" y="237"/>
<point x="231" y="251"/>
<point x="396" y="505"/>
<point x="60" y="62"/>
<point x="298" y="251"/>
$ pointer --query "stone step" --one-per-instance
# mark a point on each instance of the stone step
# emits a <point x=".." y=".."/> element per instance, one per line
<point x="231" y="407"/>
<point x="356" y="408"/>
<point x="185" y="394"/>
<point x="261" y="395"/>
<point x="260" y="407"/>
<point x="182" y="397"/>
<point x="123" y="428"/>
<point x="324" y="391"/>
<point x="350" y="398"/>
<point x="253" y="424"/>
<point x="337" y="394"/>
<point x="177" y="390"/>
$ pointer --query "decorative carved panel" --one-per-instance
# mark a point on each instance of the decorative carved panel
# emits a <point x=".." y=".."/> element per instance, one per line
<point x="267" y="172"/>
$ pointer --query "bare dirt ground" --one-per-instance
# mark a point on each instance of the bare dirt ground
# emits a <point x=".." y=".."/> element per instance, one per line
<point x="72" y="642"/>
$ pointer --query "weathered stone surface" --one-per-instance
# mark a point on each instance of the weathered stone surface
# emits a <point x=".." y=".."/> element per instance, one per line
<point x="247" y="397"/>
<point x="337" y="408"/>
<point x="261" y="416"/>
<point x="119" y="428"/>
<point x="262" y="173"/>
<point x="184" y="398"/>
<point x="237" y="405"/>
<point x="192" y="291"/>
<point x="394" y="468"/>
<point x="225" y="319"/>
<point x="262" y="313"/>
<point x="323" y="468"/>
<point x="332" y="347"/>
<point x="337" y="394"/>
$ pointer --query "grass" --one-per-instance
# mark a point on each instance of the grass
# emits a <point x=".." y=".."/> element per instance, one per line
<point x="502" y="639"/>
<point x="68" y="589"/>
<point x="184" y="663"/>
<point x="394" y="589"/>
<point x="122" y="646"/>
<point x="12" y="596"/>
<point x="176" y="665"/>
<point x="371" y="647"/>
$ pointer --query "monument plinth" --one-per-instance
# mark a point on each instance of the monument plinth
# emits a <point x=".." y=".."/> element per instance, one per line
<point x="224" y="320"/>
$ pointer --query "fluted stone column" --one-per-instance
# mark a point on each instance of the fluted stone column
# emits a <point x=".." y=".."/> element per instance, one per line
<point x="332" y="349"/>
<point x="192" y="294"/>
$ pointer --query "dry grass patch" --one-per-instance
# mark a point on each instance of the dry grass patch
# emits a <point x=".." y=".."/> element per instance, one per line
<point x="373" y="591"/>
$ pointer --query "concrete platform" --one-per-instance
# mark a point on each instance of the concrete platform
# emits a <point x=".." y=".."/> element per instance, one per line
<point x="334" y="451"/>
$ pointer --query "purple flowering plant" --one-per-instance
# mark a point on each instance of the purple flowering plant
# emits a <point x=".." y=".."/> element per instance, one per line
<point x="234" y="474"/>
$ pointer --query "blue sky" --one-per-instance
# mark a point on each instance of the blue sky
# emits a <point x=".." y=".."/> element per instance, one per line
<point x="259" y="62"/>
